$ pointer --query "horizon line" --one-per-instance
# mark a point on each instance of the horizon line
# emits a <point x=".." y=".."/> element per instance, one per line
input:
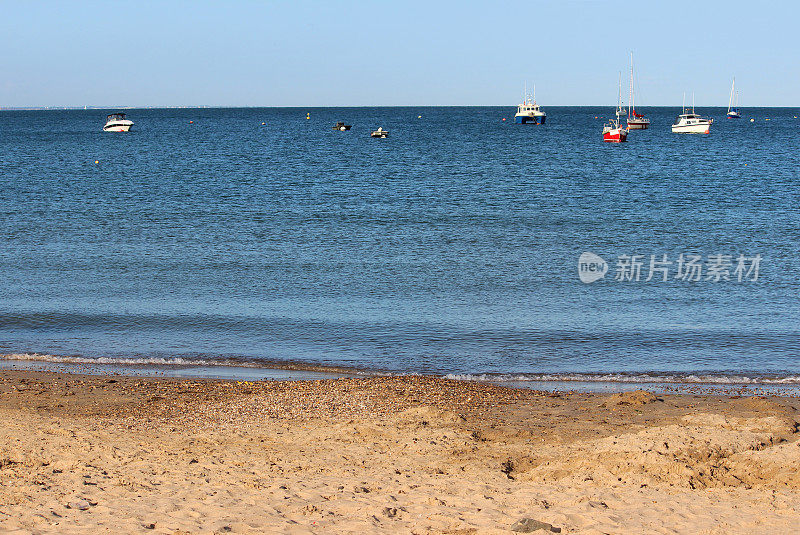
<point x="202" y="106"/>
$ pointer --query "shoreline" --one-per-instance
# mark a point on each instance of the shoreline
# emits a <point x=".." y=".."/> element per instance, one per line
<point x="253" y="370"/>
<point x="409" y="454"/>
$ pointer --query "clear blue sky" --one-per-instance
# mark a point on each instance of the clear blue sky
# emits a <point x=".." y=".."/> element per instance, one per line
<point x="302" y="53"/>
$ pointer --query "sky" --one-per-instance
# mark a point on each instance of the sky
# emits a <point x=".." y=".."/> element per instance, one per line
<point x="378" y="53"/>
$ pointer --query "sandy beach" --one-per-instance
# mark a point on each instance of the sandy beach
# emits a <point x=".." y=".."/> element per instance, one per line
<point x="413" y="455"/>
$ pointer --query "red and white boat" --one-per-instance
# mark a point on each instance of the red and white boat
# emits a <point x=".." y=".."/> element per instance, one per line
<point x="612" y="131"/>
<point x="637" y="121"/>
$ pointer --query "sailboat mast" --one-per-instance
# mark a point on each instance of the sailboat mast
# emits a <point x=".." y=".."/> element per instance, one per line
<point x="631" y="107"/>
<point x="730" y="100"/>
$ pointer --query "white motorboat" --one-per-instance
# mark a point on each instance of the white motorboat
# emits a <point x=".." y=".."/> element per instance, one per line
<point x="691" y="123"/>
<point x="116" y="122"/>
<point x="529" y="112"/>
<point x="380" y="133"/>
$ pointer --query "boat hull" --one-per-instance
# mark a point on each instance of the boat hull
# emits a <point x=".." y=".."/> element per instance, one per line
<point x="615" y="135"/>
<point x="526" y="119"/>
<point x="733" y="115"/>
<point x="119" y="126"/>
<point x="638" y="125"/>
<point x="691" y="129"/>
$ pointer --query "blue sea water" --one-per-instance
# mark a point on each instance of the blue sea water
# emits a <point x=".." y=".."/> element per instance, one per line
<point x="451" y="247"/>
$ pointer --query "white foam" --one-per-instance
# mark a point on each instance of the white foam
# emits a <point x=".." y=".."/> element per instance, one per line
<point x="627" y="378"/>
<point x="160" y="361"/>
<point x="720" y="379"/>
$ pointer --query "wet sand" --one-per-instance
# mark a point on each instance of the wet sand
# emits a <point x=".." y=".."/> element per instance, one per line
<point x="387" y="455"/>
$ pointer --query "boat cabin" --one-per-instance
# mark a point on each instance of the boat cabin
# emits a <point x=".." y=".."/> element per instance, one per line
<point x="116" y="117"/>
<point x="527" y="108"/>
<point x="687" y="118"/>
<point x="692" y="118"/>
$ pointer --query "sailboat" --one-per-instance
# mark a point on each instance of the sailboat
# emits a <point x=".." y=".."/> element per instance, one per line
<point x="733" y="109"/>
<point x="612" y="131"/>
<point x="636" y="121"/>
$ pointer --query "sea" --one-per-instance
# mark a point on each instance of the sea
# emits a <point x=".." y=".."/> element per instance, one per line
<point x="236" y="242"/>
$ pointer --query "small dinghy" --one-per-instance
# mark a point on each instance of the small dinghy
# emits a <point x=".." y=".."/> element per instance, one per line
<point x="342" y="127"/>
<point x="380" y="133"/>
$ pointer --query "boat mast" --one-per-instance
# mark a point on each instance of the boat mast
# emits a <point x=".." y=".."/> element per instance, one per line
<point x="683" y="105"/>
<point x="730" y="100"/>
<point x="631" y="107"/>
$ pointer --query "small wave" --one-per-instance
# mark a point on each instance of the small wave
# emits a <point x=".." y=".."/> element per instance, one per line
<point x="662" y="378"/>
<point x="186" y="362"/>
<point x="630" y="378"/>
<point x="161" y="361"/>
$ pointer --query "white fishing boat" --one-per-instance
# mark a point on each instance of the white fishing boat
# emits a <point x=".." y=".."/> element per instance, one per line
<point x="636" y="121"/>
<point x="116" y="122"/>
<point x="691" y="123"/>
<point x="380" y="133"/>
<point x="733" y="103"/>
<point x="529" y="112"/>
<point x="613" y="132"/>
